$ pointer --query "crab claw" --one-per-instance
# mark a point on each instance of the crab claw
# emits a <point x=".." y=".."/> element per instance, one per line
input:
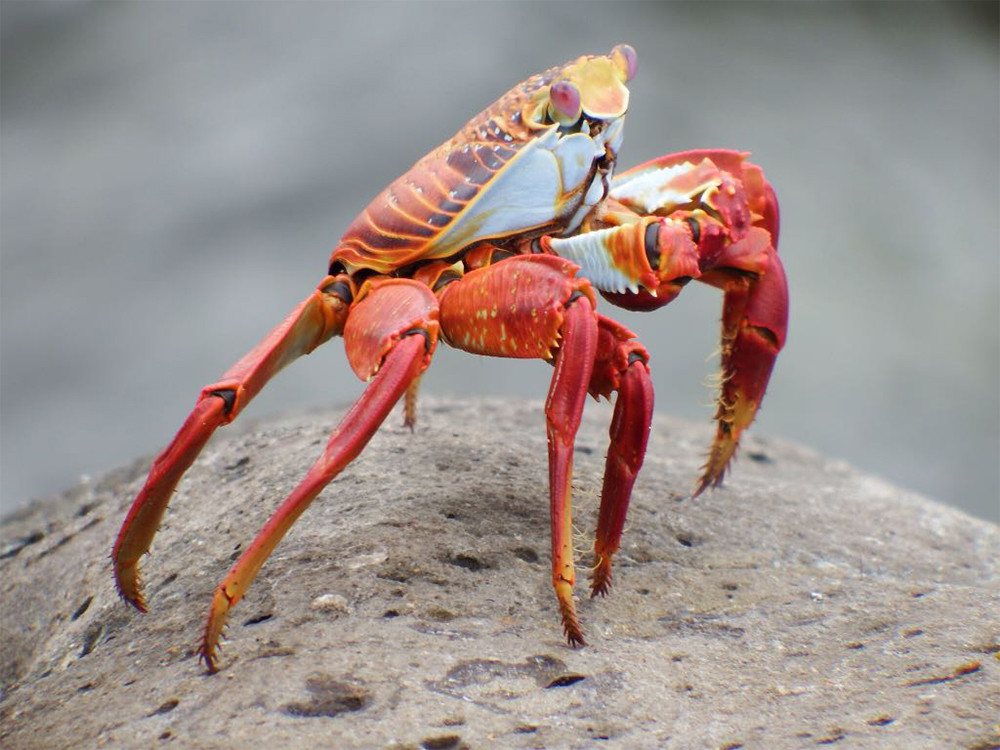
<point x="657" y="255"/>
<point x="754" y="324"/>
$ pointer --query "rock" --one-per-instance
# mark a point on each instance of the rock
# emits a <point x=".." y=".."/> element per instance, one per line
<point x="803" y="604"/>
<point x="330" y="603"/>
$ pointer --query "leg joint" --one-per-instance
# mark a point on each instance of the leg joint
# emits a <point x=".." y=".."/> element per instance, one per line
<point x="228" y="396"/>
<point x="341" y="288"/>
<point x="428" y="342"/>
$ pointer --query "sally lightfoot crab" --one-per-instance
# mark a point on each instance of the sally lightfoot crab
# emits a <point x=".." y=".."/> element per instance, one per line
<point x="496" y="242"/>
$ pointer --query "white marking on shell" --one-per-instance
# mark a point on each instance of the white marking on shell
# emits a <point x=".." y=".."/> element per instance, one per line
<point x="577" y="218"/>
<point x="524" y="194"/>
<point x="614" y="134"/>
<point x="576" y="154"/>
<point x="594" y="193"/>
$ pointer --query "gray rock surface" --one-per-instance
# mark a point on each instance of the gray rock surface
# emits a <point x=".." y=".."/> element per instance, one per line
<point x="804" y="604"/>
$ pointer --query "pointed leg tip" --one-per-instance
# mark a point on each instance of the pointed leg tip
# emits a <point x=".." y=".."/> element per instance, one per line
<point x="210" y="650"/>
<point x="139" y="605"/>
<point x="210" y="659"/>
<point x="216" y="627"/>
<point x="571" y="625"/>
<point x="601" y="579"/>
<point x="601" y="590"/>
<point x="574" y="634"/>
<point x="129" y="588"/>
<point x="708" y="481"/>
<point x="719" y="459"/>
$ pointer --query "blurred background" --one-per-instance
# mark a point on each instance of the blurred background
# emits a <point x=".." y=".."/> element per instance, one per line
<point x="175" y="176"/>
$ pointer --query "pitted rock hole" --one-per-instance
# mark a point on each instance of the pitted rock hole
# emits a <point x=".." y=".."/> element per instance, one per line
<point x="834" y="736"/>
<point x="686" y="538"/>
<point x="238" y="463"/>
<point x="566" y="680"/>
<point x="12" y="549"/>
<point x="166" y="707"/>
<point x="699" y="623"/>
<point x="527" y="554"/>
<point x="85" y="509"/>
<point x="81" y="609"/>
<point x="880" y="721"/>
<point x="477" y="679"/>
<point x="167" y="581"/>
<point x="439" y="614"/>
<point x="257" y="619"/>
<point x="469" y="562"/>
<point x="329" y="697"/>
<point x="398" y="571"/>
<point x="90" y="638"/>
<point x="445" y="742"/>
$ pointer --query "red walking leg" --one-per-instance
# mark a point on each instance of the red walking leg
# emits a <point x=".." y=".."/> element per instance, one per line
<point x="563" y="411"/>
<point x="314" y="321"/>
<point x="390" y="334"/>
<point x="534" y="307"/>
<point x="622" y="368"/>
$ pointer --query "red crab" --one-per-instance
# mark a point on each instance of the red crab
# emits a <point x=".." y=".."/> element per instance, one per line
<point x="495" y="242"/>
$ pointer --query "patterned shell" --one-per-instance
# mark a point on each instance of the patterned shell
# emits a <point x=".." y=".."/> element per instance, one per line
<point x="439" y="207"/>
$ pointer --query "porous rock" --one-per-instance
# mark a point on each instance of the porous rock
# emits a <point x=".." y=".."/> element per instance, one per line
<point x="803" y="604"/>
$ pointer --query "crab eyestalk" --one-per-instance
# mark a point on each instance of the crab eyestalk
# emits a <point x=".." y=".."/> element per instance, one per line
<point x="626" y="60"/>
<point x="565" y="107"/>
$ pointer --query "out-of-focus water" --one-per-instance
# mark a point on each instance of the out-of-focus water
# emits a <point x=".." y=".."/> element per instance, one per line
<point x="175" y="176"/>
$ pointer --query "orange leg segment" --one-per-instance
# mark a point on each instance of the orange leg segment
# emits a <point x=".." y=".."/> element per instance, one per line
<point x="314" y="321"/>
<point x="398" y="317"/>
<point x="526" y="307"/>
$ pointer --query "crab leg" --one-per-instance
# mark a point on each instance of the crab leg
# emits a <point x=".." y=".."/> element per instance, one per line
<point x="534" y="307"/>
<point x="754" y="323"/>
<point x="563" y="410"/>
<point x="390" y="334"/>
<point x="621" y="366"/>
<point x="319" y="317"/>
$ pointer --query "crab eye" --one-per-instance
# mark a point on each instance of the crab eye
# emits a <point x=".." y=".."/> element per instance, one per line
<point x="564" y="103"/>
<point x="627" y="61"/>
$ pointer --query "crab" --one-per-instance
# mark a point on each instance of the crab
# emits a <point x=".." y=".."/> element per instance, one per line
<point x="496" y="242"/>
